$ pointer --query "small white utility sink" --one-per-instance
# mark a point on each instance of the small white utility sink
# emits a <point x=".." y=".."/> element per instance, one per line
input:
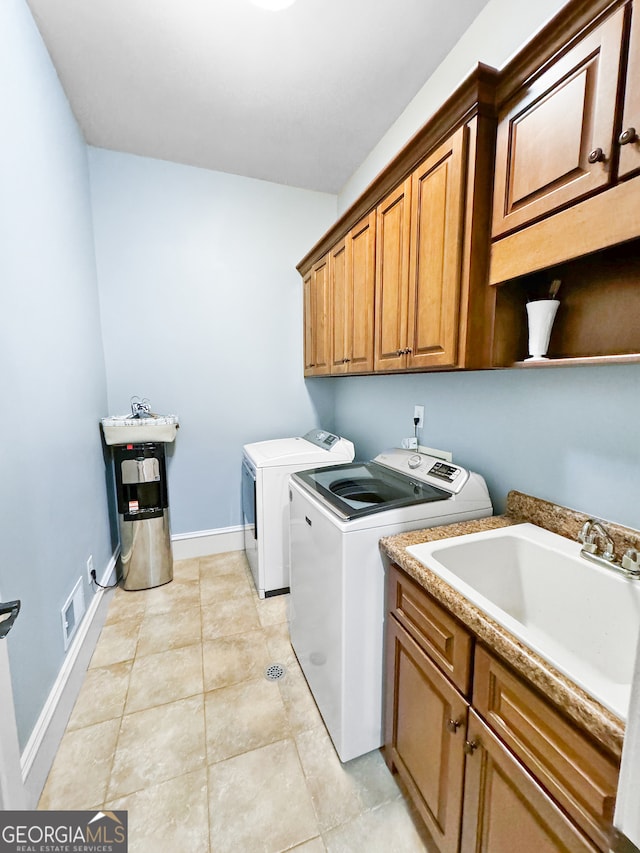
<point x="125" y="429"/>
<point x="581" y="618"/>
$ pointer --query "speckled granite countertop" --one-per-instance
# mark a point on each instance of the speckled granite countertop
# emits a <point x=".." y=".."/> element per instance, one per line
<point x="576" y="704"/>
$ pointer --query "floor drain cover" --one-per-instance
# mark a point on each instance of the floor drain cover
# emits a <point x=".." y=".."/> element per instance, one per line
<point x="274" y="672"/>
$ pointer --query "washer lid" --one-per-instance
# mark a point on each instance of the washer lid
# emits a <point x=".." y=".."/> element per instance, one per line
<point x="298" y="451"/>
<point x="365" y="488"/>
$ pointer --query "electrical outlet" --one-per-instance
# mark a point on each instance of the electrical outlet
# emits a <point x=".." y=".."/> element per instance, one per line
<point x="410" y="443"/>
<point x="90" y="567"/>
<point x="418" y="412"/>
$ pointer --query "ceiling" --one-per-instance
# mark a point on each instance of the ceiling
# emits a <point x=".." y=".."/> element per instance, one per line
<point x="298" y="96"/>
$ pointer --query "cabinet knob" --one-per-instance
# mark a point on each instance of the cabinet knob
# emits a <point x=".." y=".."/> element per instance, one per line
<point x="408" y="351"/>
<point x="596" y="156"/>
<point x="470" y="746"/>
<point x="400" y="352"/>
<point x="453" y="725"/>
<point x="627" y="136"/>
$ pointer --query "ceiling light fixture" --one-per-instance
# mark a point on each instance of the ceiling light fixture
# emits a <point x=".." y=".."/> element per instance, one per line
<point x="273" y="5"/>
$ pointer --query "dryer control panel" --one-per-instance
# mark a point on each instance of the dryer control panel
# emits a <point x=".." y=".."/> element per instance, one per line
<point x="322" y="438"/>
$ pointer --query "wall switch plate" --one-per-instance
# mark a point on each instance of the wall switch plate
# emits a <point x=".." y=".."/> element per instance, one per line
<point x="90" y="568"/>
<point x="418" y="412"/>
<point x="446" y="455"/>
<point x="410" y="443"/>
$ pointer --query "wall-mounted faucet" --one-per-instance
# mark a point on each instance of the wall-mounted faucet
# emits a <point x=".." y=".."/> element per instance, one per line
<point x="594" y="535"/>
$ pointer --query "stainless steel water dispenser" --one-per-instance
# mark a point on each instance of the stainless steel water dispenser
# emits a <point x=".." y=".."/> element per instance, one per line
<point x="143" y="512"/>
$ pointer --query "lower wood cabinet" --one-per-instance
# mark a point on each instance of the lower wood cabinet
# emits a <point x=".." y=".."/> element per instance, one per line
<point x="497" y="768"/>
<point x="426" y="719"/>
<point x="504" y="809"/>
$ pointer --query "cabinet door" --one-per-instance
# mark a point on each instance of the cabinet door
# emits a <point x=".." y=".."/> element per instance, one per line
<point x="437" y="199"/>
<point x="393" y="220"/>
<point x="360" y="266"/>
<point x="578" y="775"/>
<point x="504" y="809"/>
<point x="320" y="302"/>
<point x="307" y="307"/>
<point x="549" y="136"/>
<point x="339" y="308"/>
<point x="425" y="724"/>
<point x="630" y="137"/>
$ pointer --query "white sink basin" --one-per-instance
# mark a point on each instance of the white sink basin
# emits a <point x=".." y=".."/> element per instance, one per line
<point x="128" y="430"/>
<point x="582" y="619"/>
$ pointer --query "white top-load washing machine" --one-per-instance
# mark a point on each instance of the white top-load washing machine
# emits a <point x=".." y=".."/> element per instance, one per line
<point x="337" y="517"/>
<point x="266" y="467"/>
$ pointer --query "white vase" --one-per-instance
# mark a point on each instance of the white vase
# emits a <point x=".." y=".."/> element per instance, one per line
<point x="541" y="315"/>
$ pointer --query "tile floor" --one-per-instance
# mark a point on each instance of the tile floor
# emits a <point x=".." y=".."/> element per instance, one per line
<point x="177" y="724"/>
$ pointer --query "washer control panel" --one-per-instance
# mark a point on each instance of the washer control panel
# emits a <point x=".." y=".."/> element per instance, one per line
<point x="427" y="469"/>
<point x="445" y="470"/>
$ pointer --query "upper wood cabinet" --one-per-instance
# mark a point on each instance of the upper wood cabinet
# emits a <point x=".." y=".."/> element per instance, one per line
<point x="393" y="224"/>
<point x="352" y="277"/>
<point x="568" y="149"/>
<point x="340" y="307"/>
<point x="316" y="319"/>
<point x="308" y="325"/>
<point x="420" y="235"/>
<point x="408" y="262"/>
<point x="629" y="139"/>
<point x="567" y="187"/>
<point x="522" y="176"/>
<point x="556" y="137"/>
<point x="437" y="237"/>
<point x="431" y="305"/>
<point x="360" y="250"/>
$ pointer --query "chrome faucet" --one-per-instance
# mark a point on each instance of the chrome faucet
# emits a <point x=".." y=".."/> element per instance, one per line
<point x="594" y="534"/>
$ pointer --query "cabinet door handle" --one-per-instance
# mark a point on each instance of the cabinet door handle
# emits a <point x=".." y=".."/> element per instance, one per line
<point x="627" y="136"/>
<point x="453" y="725"/>
<point x="596" y="156"/>
<point x="470" y="746"/>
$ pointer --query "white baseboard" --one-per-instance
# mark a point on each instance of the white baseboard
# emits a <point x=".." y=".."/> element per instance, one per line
<point x="38" y="734"/>
<point x="202" y="543"/>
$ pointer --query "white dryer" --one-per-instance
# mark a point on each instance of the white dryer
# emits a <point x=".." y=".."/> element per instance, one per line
<point x="336" y="613"/>
<point x="266" y="467"/>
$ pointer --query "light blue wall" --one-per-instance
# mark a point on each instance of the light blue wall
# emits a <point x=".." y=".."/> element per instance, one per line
<point x="569" y="435"/>
<point x="52" y="384"/>
<point x="201" y="309"/>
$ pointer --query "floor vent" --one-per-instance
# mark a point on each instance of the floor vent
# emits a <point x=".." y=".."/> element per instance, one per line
<point x="72" y="613"/>
<point x="274" y="671"/>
